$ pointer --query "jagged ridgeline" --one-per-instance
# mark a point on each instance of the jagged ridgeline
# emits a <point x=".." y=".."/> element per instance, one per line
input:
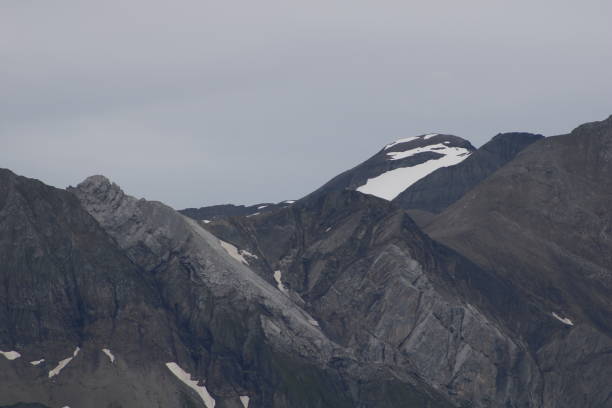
<point x="499" y="295"/>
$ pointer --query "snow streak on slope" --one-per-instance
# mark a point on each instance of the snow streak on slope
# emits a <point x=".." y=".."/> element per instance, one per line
<point x="389" y="184"/>
<point x="186" y="378"/>
<point x="60" y="366"/>
<point x="436" y="148"/>
<point x="10" y="355"/>
<point x="109" y="354"/>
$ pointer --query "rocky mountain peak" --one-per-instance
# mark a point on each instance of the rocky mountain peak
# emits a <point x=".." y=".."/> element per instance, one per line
<point x="99" y="188"/>
<point x="400" y="164"/>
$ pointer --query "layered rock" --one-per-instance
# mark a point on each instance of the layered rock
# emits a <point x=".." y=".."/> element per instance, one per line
<point x="376" y="284"/>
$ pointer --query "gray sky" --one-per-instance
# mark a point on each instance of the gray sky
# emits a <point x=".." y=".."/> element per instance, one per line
<point x="204" y="102"/>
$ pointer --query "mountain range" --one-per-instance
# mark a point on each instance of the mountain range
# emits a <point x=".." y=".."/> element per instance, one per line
<point x="433" y="274"/>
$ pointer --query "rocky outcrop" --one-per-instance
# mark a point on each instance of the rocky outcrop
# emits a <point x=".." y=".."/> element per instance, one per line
<point x="138" y="306"/>
<point x="439" y="189"/>
<point x="376" y="284"/>
<point x="245" y="336"/>
<point x="68" y="291"/>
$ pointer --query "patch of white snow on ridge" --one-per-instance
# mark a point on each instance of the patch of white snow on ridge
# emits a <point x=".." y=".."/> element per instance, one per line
<point x="110" y="355"/>
<point x="245" y="401"/>
<point x="10" y="355"/>
<point x="278" y="275"/>
<point x="429" y="136"/>
<point x="185" y="377"/>
<point x="389" y="184"/>
<point x="206" y="221"/>
<point x="404" y="140"/>
<point x="563" y="320"/>
<point x="233" y="251"/>
<point x="437" y="148"/>
<point x="262" y="206"/>
<point x="37" y="362"/>
<point x="63" y="363"/>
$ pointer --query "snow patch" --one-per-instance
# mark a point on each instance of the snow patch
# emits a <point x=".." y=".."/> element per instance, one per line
<point x="563" y="320"/>
<point x="233" y="252"/>
<point x="262" y="206"/>
<point x="60" y="366"/>
<point x="404" y="140"/>
<point x="37" y="362"/>
<point x="206" y="221"/>
<point x="313" y="322"/>
<point x="10" y="355"/>
<point x="244" y="253"/>
<point x="254" y="214"/>
<point x="245" y="401"/>
<point x="430" y="135"/>
<point x="389" y="184"/>
<point x="186" y="378"/>
<point x="278" y="276"/>
<point x="110" y="355"/>
<point x="289" y="201"/>
<point x="438" y="148"/>
<point x="328" y="229"/>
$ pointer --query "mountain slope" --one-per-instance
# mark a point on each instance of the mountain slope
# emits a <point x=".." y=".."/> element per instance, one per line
<point x="214" y="212"/>
<point x="151" y="310"/>
<point x="399" y="164"/>
<point x="376" y="283"/>
<point x="543" y="221"/>
<point x="441" y="188"/>
<point x="244" y="333"/>
<point x="68" y="294"/>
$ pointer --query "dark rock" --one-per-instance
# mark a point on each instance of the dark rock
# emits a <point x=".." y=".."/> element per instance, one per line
<point x="544" y="223"/>
<point x="436" y="191"/>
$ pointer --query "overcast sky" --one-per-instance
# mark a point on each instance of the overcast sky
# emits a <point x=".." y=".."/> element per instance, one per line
<point x="205" y="102"/>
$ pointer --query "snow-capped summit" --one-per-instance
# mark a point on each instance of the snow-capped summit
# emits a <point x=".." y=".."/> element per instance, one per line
<point x="402" y="163"/>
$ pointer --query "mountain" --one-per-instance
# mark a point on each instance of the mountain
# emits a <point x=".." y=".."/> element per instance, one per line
<point x="543" y="222"/>
<point x="524" y="258"/>
<point x="377" y="284"/>
<point x="247" y="339"/>
<point x="442" y="187"/>
<point x="214" y="212"/>
<point x="340" y="299"/>
<point x="400" y="164"/>
<point x="110" y="301"/>
<point x="69" y="293"/>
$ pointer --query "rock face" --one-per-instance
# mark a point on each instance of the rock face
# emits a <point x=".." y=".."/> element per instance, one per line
<point x="68" y="292"/>
<point x="376" y="284"/>
<point x="138" y="306"/>
<point x="399" y="164"/>
<point x="439" y="189"/>
<point x="245" y="336"/>
<point x="337" y="300"/>
<point x="543" y="222"/>
<point x="215" y="212"/>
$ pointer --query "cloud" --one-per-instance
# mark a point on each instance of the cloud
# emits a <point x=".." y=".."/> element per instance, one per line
<point x="203" y="102"/>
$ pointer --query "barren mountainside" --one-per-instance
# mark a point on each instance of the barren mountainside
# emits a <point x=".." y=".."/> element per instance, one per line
<point x="502" y="297"/>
